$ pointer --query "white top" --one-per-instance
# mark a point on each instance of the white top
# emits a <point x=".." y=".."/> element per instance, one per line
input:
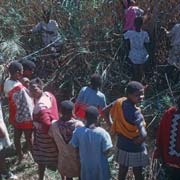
<point x="4" y="142"/>
<point x="138" y="53"/>
<point x="9" y="85"/>
<point x="174" y="34"/>
<point x="49" y="32"/>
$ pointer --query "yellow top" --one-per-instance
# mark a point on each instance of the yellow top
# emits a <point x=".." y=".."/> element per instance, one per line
<point x="120" y="125"/>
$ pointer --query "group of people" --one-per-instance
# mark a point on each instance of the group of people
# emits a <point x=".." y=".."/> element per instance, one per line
<point x="69" y="138"/>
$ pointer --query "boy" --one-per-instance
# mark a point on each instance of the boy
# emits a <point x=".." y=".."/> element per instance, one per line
<point x="93" y="143"/>
<point x="168" y="142"/>
<point x="61" y="131"/>
<point x="129" y="126"/>
<point x="20" y="107"/>
<point x="137" y="41"/>
<point x="90" y="96"/>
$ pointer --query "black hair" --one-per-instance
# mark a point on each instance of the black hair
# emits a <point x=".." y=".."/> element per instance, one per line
<point x="28" y="65"/>
<point x="96" y="81"/>
<point x="138" y="22"/>
<point x="133" y="87"/>
<point x="92" y="114"/>
<point x="15" y="67"/>
<point x="67" y="105"/>
<point x="37" y="81"/>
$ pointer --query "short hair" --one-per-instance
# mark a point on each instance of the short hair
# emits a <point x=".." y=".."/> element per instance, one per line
<point x="15" y="67"/>
<point x="92" y="114"/>
<point x="96" y="80"/>
<point x="138" y="22"/>
<point x="28" y="65"/>
<point x="37" y="81"/>
<point x="133" y="87"/>
<point x="67" y="105"/>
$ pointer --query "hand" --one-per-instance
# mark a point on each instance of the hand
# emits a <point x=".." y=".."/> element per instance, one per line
<point x="2" y="134"/>
<point x="36" y="125"/>
<point x="138" y="140"/>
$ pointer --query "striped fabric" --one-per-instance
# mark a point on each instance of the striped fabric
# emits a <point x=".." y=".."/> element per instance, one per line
<point x="44" y="149"/>
<point x="131" y="159"/>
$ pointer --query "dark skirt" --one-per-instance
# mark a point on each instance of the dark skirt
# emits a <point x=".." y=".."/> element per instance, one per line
<point x="44" y="149"/>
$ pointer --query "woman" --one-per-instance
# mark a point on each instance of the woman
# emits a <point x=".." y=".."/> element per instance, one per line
<point x="45" y="110"/>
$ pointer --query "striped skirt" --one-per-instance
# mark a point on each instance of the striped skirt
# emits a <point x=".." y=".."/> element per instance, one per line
<point x="44" y="149"/>
<point x="132" y="159"/>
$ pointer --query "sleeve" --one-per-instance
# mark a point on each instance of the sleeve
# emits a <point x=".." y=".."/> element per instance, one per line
<point x="146" y="39"/>
<point x="103" y="101"/>
<point x="80" y="97"/>
<point x="138" y="118"/>
<point x="45" y="120"/>
<point x="106" y="141"/>
<point x="126" y="35"/>
<point x="75" y="141"/>
<point x="37" y="28"/>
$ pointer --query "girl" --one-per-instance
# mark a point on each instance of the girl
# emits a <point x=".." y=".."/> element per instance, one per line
<point x="137" y="41"/>
<point x="45" y="110"/>
<point x="129" y="126"/>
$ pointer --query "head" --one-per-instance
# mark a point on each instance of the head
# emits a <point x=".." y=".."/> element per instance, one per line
<point x="135" y="92"/>
<point x="16" y="70"/>
<point x="92" y="114"/>
<point x="96" y="81"/>
<point x="138" y="23"/>
<point x="25" y="81"/>
<point x="131" y="2"/>
<point x="46" y="15"/>
<point x="28" y="68"/>
<point x="66" y="108"/>
<point x="36" y="88"/>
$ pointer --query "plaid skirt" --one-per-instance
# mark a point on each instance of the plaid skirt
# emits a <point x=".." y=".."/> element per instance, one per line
<point x="132" y="159"/>
<point x="44" y="149"/>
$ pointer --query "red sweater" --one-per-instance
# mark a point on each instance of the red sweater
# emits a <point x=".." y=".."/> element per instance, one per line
<point x="168" y="138"/>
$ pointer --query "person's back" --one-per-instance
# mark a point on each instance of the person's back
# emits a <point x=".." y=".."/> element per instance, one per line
<point x="92" y="149"/>
<point x="93" y="143"/>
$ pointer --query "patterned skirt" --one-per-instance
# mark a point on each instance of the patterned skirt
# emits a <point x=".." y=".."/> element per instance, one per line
<point x="132" y="159"/>
<point x="44" y="149"/>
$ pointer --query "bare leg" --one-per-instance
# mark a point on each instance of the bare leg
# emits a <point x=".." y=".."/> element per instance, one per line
<point x="17" y="143"/>
<point x="122" y="172"/>
<point x="41" y="171"/>
<point x="138" y="173"/>
<point x="28" y="137"/>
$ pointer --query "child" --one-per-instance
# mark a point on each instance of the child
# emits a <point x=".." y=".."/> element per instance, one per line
<point x="168" y="146"/>
<point x="45" y="110"/>
<point x="90" y="96"/>
<point x="93" y="143"/>
<point x="128" y="124"/>
<point x="20" y="107"/>
<point x="4" y="144"/>
<point x="138" y="54"/>
<point x="131" y="12"/>
<point x="28" y="68"/>
<point x="61" y="131"/>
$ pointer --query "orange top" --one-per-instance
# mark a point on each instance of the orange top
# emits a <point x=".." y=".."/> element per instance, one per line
<point x="120" y="124"/>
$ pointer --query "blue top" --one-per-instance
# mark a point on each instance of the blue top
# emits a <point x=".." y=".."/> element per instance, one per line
<point x="135" y="117"/>
<point x="91" y="97"/>
<point x="92" y="144"/>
